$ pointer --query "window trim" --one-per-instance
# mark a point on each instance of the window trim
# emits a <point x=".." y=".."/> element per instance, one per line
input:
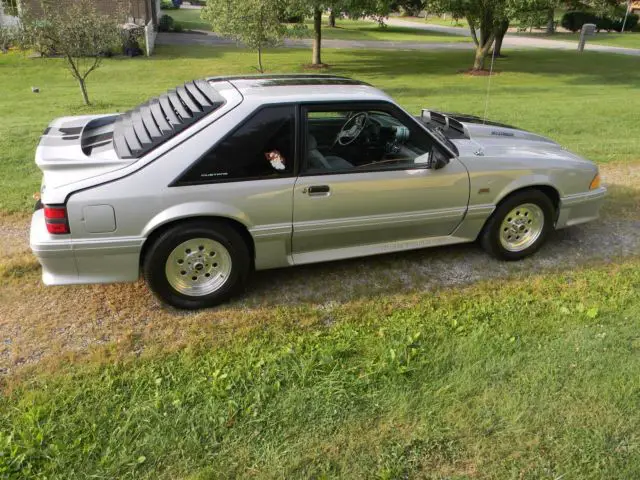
<point x="180" y="182"/>
<point x="384" y="106"/>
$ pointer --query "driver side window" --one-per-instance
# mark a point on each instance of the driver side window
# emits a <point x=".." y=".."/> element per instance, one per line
<point x="362" y="139"/>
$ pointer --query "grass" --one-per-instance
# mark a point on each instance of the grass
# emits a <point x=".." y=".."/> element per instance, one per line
<point x="189" y="18"/>
<point x="438" y="20"/>
<point x="366" y="30"/>
<point x="345" y="29"/>
<point x="626" y="40"/>
<point x="533" y="377"/>
<point x="542" y="91"/>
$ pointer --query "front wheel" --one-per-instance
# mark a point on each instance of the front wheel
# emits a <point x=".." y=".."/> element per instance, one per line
<point x="519" y="226"/>
<point x="197" y="264"/>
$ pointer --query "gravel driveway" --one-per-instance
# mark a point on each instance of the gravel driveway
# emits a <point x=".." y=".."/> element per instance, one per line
<point x="38" y="322"/>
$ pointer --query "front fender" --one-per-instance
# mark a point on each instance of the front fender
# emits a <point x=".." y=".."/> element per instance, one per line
<point x="533" y="180"/>
<point x="195" y="209"/>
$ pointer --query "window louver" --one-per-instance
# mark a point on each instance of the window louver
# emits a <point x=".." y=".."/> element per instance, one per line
<point x="140" y="130"/>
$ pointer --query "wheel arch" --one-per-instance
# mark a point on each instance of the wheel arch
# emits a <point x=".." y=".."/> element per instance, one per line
<point x="549" y="190"/>
<point x="154" y="233"/>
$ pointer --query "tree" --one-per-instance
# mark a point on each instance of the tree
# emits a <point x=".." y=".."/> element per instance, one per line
<point x="78" y="33"/>
<point x="254" y="23"/>
<point x="314" y="9"/>
<point x="501" y="31"/>
<point x="488" y="21"/>
<point x="350" y="8"/>
<point x="410" y="8"/>
<point x="332" y="18"/>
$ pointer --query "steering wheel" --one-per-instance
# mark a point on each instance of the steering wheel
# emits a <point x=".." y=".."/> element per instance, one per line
<point x="352" y="129"/>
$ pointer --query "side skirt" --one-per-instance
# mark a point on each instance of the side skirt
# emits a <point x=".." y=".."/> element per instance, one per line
<point x="375" y="249"/>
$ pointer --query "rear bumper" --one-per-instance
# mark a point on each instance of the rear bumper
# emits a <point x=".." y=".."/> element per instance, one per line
<point x="580" y="208"/>
<point x="67" y="261"/>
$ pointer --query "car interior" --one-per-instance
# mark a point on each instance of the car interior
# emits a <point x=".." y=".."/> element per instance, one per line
<point x="365" y="139"/>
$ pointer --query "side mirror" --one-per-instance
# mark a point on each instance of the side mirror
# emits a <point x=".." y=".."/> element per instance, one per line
<point x="437" y="159"/>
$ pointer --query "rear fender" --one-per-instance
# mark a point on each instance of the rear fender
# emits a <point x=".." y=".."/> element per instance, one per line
<point x="195" y="209"/>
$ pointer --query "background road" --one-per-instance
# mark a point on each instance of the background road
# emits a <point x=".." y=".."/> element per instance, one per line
<point x="510" y="41"/>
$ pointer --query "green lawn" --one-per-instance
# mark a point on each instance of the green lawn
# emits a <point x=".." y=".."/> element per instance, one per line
<point x="535" y="377"/>
<point x="528" y="377"/>
<point x="448" y="21"/>
<point x="345" y="29"/>
<point x="189" y="18"/>
<point x="366" y="30"/>
<point x="584" y="101"/>
<point x="627" y="40"/>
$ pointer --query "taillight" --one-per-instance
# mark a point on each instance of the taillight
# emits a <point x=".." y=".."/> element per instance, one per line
<point x="56" y="219"/>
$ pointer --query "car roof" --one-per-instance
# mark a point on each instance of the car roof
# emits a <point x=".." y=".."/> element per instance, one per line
<point x="302" y="87"/>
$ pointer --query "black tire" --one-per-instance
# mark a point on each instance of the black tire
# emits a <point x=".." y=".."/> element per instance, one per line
<point x="155" y="262"/>
<point x="490" y="236"/>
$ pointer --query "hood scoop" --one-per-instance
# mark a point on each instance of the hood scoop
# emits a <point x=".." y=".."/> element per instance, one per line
<point x="451" y="127"/>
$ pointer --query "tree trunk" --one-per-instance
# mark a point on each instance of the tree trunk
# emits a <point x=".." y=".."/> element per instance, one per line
<point x="551" y="27"/>
<point x="502" y="31"/>
<point x="481" y="53"/>
<point x="260" y="69"/>
<point x="332" y="19"/>
<point x="83" y="89"/>
<point x="478" y="62"/>
<point x="497" y="48"/>
<point x="317" y="37"/>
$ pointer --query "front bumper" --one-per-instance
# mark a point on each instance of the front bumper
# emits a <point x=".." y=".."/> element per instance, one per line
<point x="67" y="261"/>
<point x="580" y="208"/>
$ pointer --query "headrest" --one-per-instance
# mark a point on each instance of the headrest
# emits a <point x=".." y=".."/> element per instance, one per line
<point x="312" y="144"/>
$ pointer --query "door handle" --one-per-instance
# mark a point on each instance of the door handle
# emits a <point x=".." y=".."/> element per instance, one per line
<point x="317" y="190"/>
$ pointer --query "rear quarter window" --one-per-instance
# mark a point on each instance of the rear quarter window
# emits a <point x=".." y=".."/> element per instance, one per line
<point x="260" y="148"/>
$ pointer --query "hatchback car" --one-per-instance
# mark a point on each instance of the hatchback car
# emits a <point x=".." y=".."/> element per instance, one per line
<point x="198" y="187"/>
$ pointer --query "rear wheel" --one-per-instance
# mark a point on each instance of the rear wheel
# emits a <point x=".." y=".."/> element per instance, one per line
<point x="197" y="264"/>
<point x="519" y="226"/>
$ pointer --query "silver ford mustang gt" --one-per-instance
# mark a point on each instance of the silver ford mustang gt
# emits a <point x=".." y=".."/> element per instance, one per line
<point x="218" y="177"/>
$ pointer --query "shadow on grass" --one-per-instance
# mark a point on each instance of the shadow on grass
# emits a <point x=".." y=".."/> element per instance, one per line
<point x="588" y="68"/>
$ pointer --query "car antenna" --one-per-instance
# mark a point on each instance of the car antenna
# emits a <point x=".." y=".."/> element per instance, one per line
<point x="486" y="102"/>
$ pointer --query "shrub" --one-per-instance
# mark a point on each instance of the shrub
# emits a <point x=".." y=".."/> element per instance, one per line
<point x="631" y="25"/>
<point x="289" y="15"/>
<point x="8" y="37"/>
<point x="603" y="23"/>
<point x="574" y="21"/>
<point x="167" y="5"/>
<point x="165" y="24"/>
<point x="177" y="27"/>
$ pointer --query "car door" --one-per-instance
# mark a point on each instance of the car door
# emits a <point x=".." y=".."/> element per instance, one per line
<point x="375" y="192"/>
<point x="247" y="175"/>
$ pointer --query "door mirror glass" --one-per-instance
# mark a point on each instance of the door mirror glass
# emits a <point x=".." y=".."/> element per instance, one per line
<point x="437" y="159"/>
<point x="424" y="160"/>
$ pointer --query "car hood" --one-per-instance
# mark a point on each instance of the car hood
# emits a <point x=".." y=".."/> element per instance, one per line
<point x="493" y="139"/>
